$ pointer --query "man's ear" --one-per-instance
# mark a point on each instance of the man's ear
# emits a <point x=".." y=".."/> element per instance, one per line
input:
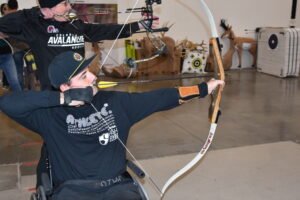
<point x="64" y="87"/>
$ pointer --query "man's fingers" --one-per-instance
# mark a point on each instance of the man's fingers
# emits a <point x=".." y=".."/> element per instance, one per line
<point x="221" y="83"/>
<point x="95" y="90"/>
<point x="76" y="103"/>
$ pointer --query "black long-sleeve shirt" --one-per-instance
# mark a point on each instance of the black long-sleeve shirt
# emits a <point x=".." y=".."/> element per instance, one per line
<point x="81" y="141"/>
<point x="48" y="38"/>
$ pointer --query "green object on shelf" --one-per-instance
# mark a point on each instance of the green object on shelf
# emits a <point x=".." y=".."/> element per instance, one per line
<point x="130" y="49"/>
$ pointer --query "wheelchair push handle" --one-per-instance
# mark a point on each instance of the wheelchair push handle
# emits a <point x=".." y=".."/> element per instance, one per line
<point x="138" y="171"/>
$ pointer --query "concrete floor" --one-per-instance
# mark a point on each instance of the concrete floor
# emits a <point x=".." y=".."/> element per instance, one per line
<point x="255" y="153"/>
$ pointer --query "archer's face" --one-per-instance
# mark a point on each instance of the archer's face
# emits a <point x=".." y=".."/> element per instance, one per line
<point x="83" y="79"/>
<point x="63" y="8"/>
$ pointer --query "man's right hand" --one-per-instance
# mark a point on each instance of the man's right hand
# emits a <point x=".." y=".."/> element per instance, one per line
<point x="77" y="96"/>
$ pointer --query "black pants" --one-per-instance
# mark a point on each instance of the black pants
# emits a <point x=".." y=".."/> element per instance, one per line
<point x="82" y="190"/>
<point x="125" y="190"/>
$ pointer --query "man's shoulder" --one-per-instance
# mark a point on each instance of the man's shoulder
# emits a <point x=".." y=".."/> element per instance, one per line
<point x="107" y="93"/>
<point x="30" y="11"/>
<point x="27" y="13"/>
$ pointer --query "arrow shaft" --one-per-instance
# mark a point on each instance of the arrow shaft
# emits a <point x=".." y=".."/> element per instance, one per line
<point x="153" y="80"/>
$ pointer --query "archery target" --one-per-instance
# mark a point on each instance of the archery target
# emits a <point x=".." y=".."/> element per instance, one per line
<point x="278" y="51"/>
<point x="194" y="63"/>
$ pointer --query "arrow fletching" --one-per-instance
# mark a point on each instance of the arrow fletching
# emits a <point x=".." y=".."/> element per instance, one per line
<point x="106" y="84"/>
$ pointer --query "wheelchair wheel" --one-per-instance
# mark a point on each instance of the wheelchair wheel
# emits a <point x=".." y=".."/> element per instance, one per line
<point x="41" y="195"/>
<point x="141" y="188"/>
<point x="33" y="196"/>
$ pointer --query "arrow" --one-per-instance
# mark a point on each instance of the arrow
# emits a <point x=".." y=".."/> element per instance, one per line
<point x="107" y="84"/>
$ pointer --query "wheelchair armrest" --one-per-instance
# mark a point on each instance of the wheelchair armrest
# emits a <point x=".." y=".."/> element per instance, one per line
<point x="135" y="169"/>
<point x="46" y="183"/>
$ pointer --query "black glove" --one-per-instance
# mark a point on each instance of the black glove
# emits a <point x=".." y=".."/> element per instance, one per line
<point x="78" y="94"/>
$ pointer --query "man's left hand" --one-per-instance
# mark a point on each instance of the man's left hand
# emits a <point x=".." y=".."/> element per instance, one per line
<point x="155" y="22"/>
<point x="212" y="84"/>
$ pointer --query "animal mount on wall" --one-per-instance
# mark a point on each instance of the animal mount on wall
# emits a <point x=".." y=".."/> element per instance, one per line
<point x="236" y="44"/>
<point x="166" y="63"/>
<point x="95" y="65"/>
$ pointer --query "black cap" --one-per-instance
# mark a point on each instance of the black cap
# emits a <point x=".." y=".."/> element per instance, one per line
<point x="65" y="66"/>
<point x="13" y="4"/>
<point x="49" y="3"/>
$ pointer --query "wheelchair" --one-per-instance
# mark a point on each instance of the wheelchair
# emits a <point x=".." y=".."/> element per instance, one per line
<point x="45" y="190"/>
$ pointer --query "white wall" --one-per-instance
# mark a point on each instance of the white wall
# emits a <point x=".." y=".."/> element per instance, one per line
<point x="241" y="14"/>
<point x="190" y="21"/>
<point x="23" y="3"/>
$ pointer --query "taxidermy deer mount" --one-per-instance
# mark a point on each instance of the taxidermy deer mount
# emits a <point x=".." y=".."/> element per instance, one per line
<point x="236" y="43"/>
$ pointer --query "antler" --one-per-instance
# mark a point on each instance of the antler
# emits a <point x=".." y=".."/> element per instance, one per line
<point x="224" y="25"/>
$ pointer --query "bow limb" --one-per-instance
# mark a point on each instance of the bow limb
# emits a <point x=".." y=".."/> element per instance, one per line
<point x="193" y="162"/>
<point x="158" y="44"/>
<point x="213" y="27"/>
<point x="214" y="111"/>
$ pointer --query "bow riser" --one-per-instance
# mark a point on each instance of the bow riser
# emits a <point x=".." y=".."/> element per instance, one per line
<point x="219" y="74"/>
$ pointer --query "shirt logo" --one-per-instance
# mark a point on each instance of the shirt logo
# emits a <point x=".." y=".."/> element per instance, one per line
<point x="52" y="29"/>
<point x="66" y="40"/>
<point x="100" y="124"/>
<point x="105" y="138"/>
<point x="77" y="57"/>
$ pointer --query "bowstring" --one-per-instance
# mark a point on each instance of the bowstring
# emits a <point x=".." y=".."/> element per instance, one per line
<point x="128" y="151"/>
<point x="104" y="61"/>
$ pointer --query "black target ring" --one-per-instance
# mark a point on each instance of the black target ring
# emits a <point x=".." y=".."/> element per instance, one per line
<point x="196" y="63"/>
<point x="273" y="41"/>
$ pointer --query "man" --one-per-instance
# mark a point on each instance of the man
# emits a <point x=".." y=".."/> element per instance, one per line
<point x="49" y="32"/>
<point x="19" y="48"/>
<point x="7" y="63"/>
<point x="83" y="128"/>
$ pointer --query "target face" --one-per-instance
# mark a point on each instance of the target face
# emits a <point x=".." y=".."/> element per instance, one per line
<point x="194" y="63"/>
